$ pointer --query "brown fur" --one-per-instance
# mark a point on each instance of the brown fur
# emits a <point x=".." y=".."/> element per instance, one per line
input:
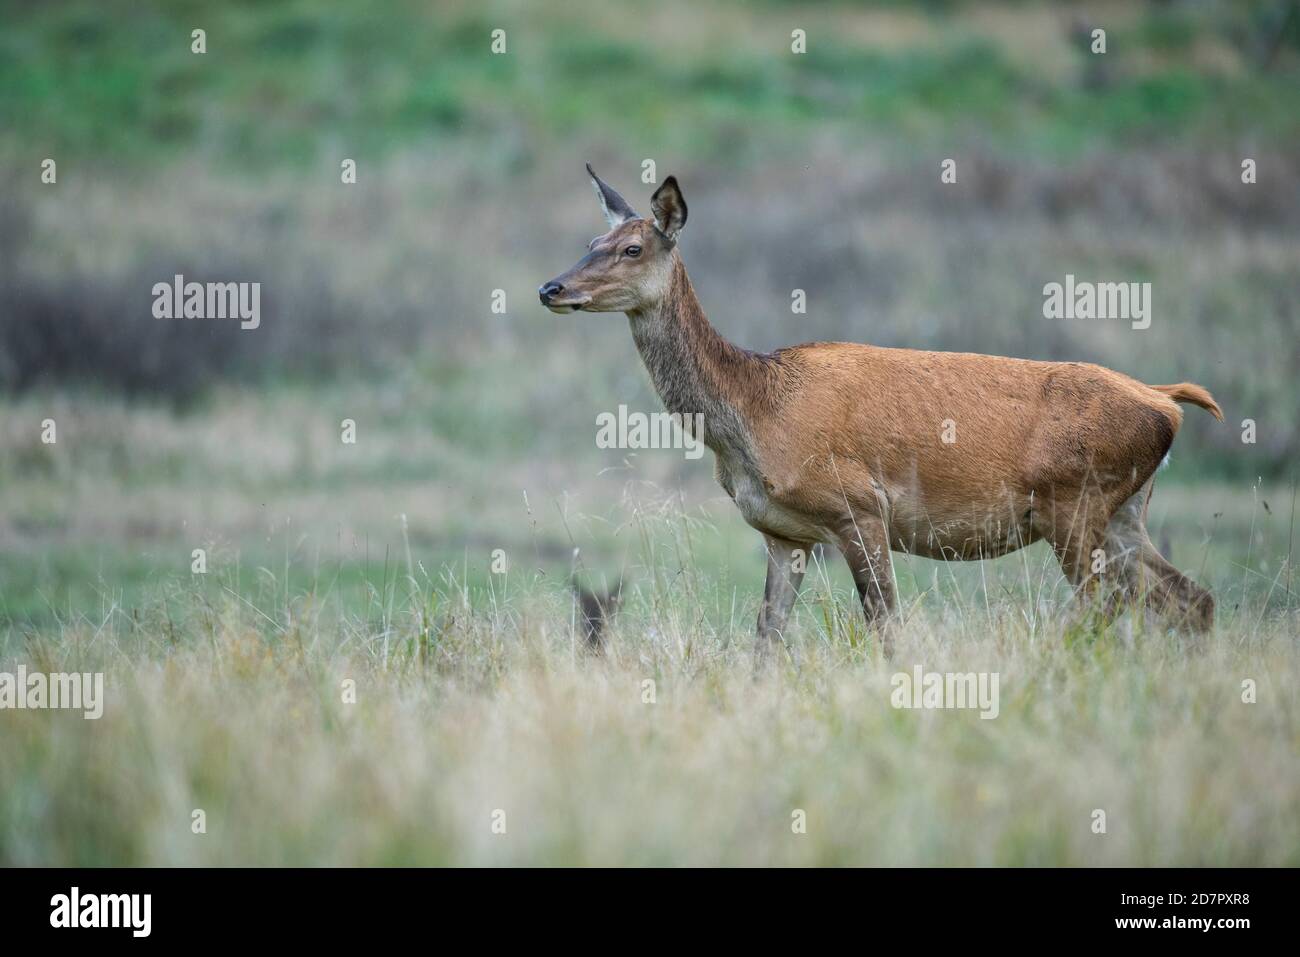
<point x="843" y="443"/>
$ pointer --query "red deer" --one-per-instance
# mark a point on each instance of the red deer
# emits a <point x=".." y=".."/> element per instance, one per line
<point x="844" y="444"/>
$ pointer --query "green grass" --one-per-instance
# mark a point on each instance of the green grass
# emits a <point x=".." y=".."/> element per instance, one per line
<point x="283" y="82"/>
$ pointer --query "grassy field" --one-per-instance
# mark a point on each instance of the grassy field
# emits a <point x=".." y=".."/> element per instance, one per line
<point x="474" y="693"/>
<point x="372" y="562"/>
<point x="473" y="702"/>
<point x="283" y="82"/>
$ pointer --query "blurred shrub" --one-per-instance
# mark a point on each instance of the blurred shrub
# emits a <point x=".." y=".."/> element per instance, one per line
<point x="64" y="328"/>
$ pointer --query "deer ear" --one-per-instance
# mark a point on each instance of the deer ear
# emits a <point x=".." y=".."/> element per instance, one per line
<point x="669" y="208"/>
<point x="614" y="206"/>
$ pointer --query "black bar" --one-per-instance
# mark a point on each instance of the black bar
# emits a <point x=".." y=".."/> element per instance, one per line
<point x="337" y="906"/>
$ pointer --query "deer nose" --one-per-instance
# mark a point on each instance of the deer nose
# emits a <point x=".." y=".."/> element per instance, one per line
<point x="547" y="290"/>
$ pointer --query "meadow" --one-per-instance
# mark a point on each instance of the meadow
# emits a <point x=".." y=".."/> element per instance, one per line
<point x="356" y="678"/>
<point x="454" y="725"/>
<point x="474" y="692"/>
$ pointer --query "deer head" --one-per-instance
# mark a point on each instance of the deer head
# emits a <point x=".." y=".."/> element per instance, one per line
<point x="628" y="268"/>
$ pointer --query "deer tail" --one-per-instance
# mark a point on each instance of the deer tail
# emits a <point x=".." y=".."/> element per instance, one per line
<point x="1193" y="393"/>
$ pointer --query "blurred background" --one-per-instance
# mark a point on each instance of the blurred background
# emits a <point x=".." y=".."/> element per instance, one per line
<point x="817" y="171"/>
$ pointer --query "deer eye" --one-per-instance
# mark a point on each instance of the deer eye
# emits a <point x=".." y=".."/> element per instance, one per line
<point x="632" y="251"/>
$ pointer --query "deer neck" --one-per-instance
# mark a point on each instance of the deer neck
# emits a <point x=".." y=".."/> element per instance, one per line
<point x="694" y="369"/>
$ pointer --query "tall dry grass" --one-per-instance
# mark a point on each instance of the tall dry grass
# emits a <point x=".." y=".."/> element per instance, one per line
<point x="471" y="701"/>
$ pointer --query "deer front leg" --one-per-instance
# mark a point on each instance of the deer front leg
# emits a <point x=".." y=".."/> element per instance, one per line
<point x="785" y="568"/>
<point x="865" y="545"/>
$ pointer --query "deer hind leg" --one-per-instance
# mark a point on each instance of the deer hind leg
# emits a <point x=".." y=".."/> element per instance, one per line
<point x="1175" y="596"/>
<point x="1124" y="549"/>
<point x="1076" y="526"/>
<point x="1146" y="575"/>
<point x="1141" y="575"/>
<point x="785" y="570"/>
<point x="865" y="544"/>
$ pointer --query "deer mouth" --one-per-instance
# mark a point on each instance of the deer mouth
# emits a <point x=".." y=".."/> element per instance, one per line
<point x="561" y="308"/>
